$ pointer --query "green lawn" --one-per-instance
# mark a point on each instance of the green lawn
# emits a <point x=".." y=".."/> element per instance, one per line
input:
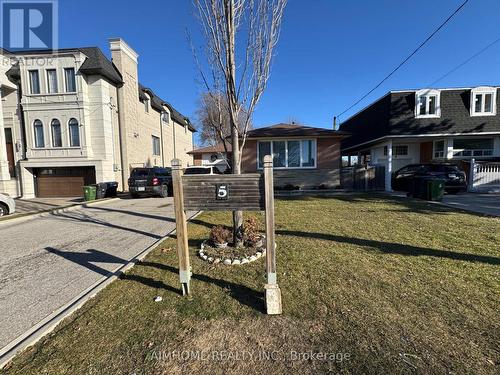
<point x="388" y="285"/>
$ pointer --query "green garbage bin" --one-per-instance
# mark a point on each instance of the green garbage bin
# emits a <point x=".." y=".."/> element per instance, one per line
<point x="435" y="189"/>
<point x="89" y="193"/>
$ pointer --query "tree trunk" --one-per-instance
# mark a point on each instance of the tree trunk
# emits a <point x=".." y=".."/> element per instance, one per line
<point x="237" y="215"/>
<point x="233" y="110"/>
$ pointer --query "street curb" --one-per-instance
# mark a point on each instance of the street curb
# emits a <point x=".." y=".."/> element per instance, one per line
<point x="57" y="210"/>
<point x="47" y="325"/>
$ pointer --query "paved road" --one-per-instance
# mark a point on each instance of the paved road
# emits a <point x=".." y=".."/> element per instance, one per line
<point x="488" y="204"/>
<point x="46" y="262"/>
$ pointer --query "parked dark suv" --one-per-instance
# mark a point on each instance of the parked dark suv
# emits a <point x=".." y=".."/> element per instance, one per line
<point x="150" y="181"/>
<point x="455" y="179"/>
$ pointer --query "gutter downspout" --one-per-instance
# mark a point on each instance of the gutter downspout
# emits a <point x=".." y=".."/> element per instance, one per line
<point x="24" y="147"/>
<point x="161" y="139"/>
<point x="173" y="127"/>
<point x="120" y="135"/>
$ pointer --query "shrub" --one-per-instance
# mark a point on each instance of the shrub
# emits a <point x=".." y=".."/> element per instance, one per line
<point x="251" y="231"/>
<point x="220" y="234"/>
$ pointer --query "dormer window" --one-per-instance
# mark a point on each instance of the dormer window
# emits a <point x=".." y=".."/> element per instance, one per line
<point x="483" y="101"/>
<point x="165" y="117"/>
<point x="427" y="103"/>
<point x="146" y="105"/>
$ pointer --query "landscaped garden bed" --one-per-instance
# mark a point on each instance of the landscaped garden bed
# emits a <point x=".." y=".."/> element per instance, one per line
<point x="220" y="250"/>
<point x="376" y="284"/>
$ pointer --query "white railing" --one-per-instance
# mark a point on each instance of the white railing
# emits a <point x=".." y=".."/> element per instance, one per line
<point x="484" y="175"/>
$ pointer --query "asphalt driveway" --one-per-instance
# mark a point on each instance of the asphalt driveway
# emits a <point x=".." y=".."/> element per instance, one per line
<point x="488" y="204"/>
<point x="46" y="262"/>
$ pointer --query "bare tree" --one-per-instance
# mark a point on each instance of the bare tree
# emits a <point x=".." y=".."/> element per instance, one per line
<point x="241" y="77"/>
<point x="214" y="120"/>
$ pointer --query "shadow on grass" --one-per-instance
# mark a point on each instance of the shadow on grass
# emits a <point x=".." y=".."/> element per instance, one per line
<point x="395" y="248"/>
<point x="243" y="294"/>
<point x="149" y="282"/>
<point x="406" y="204"/>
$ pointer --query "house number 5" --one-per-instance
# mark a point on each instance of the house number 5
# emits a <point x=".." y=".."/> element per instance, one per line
<point x="222" y="192"/>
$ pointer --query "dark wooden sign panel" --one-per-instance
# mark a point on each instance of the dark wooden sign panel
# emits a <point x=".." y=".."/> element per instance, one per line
<point x="224" y="192"/>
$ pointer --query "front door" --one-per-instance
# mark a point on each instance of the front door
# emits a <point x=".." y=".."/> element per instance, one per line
<point x="10" y="152"/>
<point x="425" y="152"/>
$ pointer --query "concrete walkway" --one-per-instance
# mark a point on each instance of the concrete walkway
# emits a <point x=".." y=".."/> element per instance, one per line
<point x="487" y="204"/>
<point x="47" y="262"/>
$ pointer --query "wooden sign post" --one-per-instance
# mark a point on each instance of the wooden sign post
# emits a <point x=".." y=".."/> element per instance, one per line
<point x="181" y="227"/>
<point x="273" y="292"/>
<point x="246" y="192"/>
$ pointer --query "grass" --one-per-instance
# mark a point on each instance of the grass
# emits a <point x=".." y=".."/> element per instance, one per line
<point x="377" y="284"/>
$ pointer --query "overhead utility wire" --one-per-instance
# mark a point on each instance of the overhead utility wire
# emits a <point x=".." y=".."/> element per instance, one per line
<point x="465" y="62"/>
<point x="408" y="58"/>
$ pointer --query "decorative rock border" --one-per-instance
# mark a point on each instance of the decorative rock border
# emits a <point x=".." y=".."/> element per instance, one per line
<point x="230" y="261"/>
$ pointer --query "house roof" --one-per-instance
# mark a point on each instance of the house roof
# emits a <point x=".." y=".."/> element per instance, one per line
<point x="219" y="147"/>
<point x="157" y="103"/>
<point x="98" y="64"/>
<point x="95" y="64"/>
<point x="293" y="130"/>
<point x="394" y="115"/>
<point x="281" y="130"/>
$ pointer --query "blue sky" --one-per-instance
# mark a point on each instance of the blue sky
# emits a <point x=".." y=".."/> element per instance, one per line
<point x="330" y="52"/>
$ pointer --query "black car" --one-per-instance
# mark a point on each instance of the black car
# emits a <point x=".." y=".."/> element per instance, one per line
<point x="150" y="181"/>
<point x="455" y="178"/>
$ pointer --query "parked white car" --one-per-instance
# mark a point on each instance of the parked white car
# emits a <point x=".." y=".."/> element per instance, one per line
<point x="205" y="170"/>
<point x="7" y="205"/>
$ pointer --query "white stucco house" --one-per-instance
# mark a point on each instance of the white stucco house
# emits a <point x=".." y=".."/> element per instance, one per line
<point x="73" y="117"/>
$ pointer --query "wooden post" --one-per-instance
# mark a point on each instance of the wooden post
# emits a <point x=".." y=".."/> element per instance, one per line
<point x="273" y="292"/>
<point x="181" y="227"/>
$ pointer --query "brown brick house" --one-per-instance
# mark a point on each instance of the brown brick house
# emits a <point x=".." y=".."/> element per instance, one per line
<point x="303" y="156"/>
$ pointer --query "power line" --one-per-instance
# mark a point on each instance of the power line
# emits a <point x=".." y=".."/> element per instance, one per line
<point x="465" y="62"/>
<point x="408" y="58"/>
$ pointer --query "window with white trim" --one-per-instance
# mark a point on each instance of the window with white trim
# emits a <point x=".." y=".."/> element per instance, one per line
<point x="427" y="103"/>
<point x="34" y="81"/>
<point x="468" y="148"/>
<point x="439" y="149"/>
<point x="156" y="145"/>
<point x="397" y="150"/>
<point x="39" y="137"/>
<point x="51" y="81"/>
<point x="165" y="117"/>
<point x="400" y="150"/>
<point x="288" y="153"/>
<point x="74" y="133"/>
<point x="55" y="126"/>
<point x="483" y="101"/>
<point x="70" y="79"/>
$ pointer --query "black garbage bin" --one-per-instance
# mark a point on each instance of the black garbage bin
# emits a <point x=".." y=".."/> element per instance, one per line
<point x="418" y="187"/>
<point x="100" y="190"/>
<point x="111" y="189"/>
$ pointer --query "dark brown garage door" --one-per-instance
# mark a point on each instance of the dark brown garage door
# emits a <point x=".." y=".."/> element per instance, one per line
<point x="63" y="182"/>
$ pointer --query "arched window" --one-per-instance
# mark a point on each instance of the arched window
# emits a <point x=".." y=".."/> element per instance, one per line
<point x="74" y="133"/>
<point x="56" y="133"/>
<point x="39" y="139"/>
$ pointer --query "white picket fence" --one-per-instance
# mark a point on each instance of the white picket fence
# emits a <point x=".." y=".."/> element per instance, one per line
<point x="484" y="176"/>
